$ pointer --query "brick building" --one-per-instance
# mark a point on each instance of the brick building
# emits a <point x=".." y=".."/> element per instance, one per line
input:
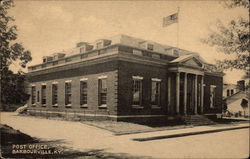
<point x="124" y="78"/>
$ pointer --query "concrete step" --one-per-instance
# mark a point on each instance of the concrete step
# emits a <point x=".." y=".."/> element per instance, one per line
<point x="197" y="120"/>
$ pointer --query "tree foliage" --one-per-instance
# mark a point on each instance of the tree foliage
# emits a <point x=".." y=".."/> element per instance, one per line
<point x="12" y="85"/>
<point x="232" y="39"/>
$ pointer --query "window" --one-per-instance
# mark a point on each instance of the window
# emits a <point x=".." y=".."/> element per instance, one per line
<point x="150" y="47"/>
<point x="54" y="94"/>
<point x="157" y="56"/>
<point x="232" y="91"/>
<point x="228" y="92"/>
<point x="38" y="97"/>
<point x="212" y="96"/>
<point x="43" y="94"/>
<point x="156" y="92"/>
<point x="82" y="49"/>
<point x="102" y="83"/>
<point x="84" y="56"/>
<point x="55" y="62"/>
<point x="175" y="52"/>
<point x="137" y="90"/>
<point x="68" y="93"/>
<point x="99" y="45"/>
<point x="83" y="93"/>
<point x="33" y="95"/>
<point x="68" y="60"/>
<point x="137" y="52"/>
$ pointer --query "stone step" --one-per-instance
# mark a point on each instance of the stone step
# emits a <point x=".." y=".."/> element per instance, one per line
<point x="197" y="120"/>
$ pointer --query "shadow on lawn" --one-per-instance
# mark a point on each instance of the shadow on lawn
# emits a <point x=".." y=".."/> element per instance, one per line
<point x="15" y="144"/>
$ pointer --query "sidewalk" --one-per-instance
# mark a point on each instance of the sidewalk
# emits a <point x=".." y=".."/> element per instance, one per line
<point x="187" y="132"/>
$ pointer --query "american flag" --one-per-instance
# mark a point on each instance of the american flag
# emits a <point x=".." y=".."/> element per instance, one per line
<point x="173" y="18"/>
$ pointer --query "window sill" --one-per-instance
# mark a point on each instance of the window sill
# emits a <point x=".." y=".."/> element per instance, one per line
<point x="33" y="105"/>
<point x="84" y="106"/>
<point x="43" y="105"/>
<point x="137" y="107"/>
<point x="68" y="106"/>
<point x="155" y="107"/>
<point x="104" y="106"/>
<point x="55" y="105"/>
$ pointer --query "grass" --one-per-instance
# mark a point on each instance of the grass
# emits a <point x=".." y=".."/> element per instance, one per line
<point x="122" y="128"/>
<point x="10" y="137"/>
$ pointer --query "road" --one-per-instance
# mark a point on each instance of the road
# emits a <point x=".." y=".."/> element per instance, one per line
<point x="226" y="144"/>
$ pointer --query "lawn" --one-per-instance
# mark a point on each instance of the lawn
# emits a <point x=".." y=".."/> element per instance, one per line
<point x="122" y="128"/>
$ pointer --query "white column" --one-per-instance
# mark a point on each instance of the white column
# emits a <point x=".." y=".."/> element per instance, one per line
<point x="195" y="95"/>
<point x="169" y="93"/>
<point x="202" y="94"/>
<point x="177" y="92"/>
<point x="185" y="93"/>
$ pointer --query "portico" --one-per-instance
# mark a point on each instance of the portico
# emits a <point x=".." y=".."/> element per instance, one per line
<point x="187" y="92"/>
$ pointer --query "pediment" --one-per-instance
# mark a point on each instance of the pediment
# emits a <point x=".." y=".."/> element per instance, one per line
<point x="192" y="62"/>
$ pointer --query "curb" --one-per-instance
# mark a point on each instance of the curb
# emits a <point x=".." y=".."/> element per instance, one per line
<point x="187" y="134"/>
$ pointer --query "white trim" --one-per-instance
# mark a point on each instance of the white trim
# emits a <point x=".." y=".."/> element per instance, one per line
<point x="68" y="81"/>
<point x="137" y="107"/>
<point x="204" y="85"/>
<point x="213" y="86"/>
<point x="103" y="106"/>
<point x="55" y="82"/>
<point x="84" y="106"/>
<point x="55" y="105"/>
<point x="156" y="79"/>
<point x="137" y="77"/>
<point x="83" y="79"/>
<point x="43" y="84"/>
<point x="103" y="77"/>
<point x="155" y="107"/>
<point x="32" y="85"/>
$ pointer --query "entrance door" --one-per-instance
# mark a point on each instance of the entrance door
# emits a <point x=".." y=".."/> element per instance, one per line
<point x="190" y="94"/>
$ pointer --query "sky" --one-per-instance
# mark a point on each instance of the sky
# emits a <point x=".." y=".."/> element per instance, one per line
<point x="46" y="27"/>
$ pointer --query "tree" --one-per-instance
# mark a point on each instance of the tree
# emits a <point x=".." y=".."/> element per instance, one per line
<point x="12" y="85"/>
<point x="224" y="106"/>
<point x="244" y="105"/>
<point x="232" y="39"/>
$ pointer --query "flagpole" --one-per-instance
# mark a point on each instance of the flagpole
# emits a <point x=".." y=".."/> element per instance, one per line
<point x="178" y="11"/>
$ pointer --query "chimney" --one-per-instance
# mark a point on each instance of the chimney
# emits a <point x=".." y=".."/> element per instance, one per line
<point x="241" y="85"/>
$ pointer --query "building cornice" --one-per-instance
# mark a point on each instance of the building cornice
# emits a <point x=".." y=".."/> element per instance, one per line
<point x="102" y="59"/>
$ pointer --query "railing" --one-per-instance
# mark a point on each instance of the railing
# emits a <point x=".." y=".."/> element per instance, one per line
<point x="96" y="53"/>
<point x="71" y="114"/>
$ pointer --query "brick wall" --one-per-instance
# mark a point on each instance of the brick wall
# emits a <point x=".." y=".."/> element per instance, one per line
<point x="92" y="73"/>
<point x="125" y="72"/>
<point x="218" y="82"/>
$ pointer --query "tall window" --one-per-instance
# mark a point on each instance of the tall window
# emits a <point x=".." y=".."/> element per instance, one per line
<point x="38" y="97"/>
<point x="68" y="93"/>
<point x="43" y="94"/>
<point x="156" y="93"/>
<point x="102" y="83"/>
<point x="232" y="91"/>
<point x="99" y="45"/>
<point x="150" y="47"/>
<point x="228" y="92"/>
<point x="137" y="90"/>
<point x="83" y="93"/>
<point x="54" y="94"/>
<point x="212" y="96"/>
<point x="33" y="95"/>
